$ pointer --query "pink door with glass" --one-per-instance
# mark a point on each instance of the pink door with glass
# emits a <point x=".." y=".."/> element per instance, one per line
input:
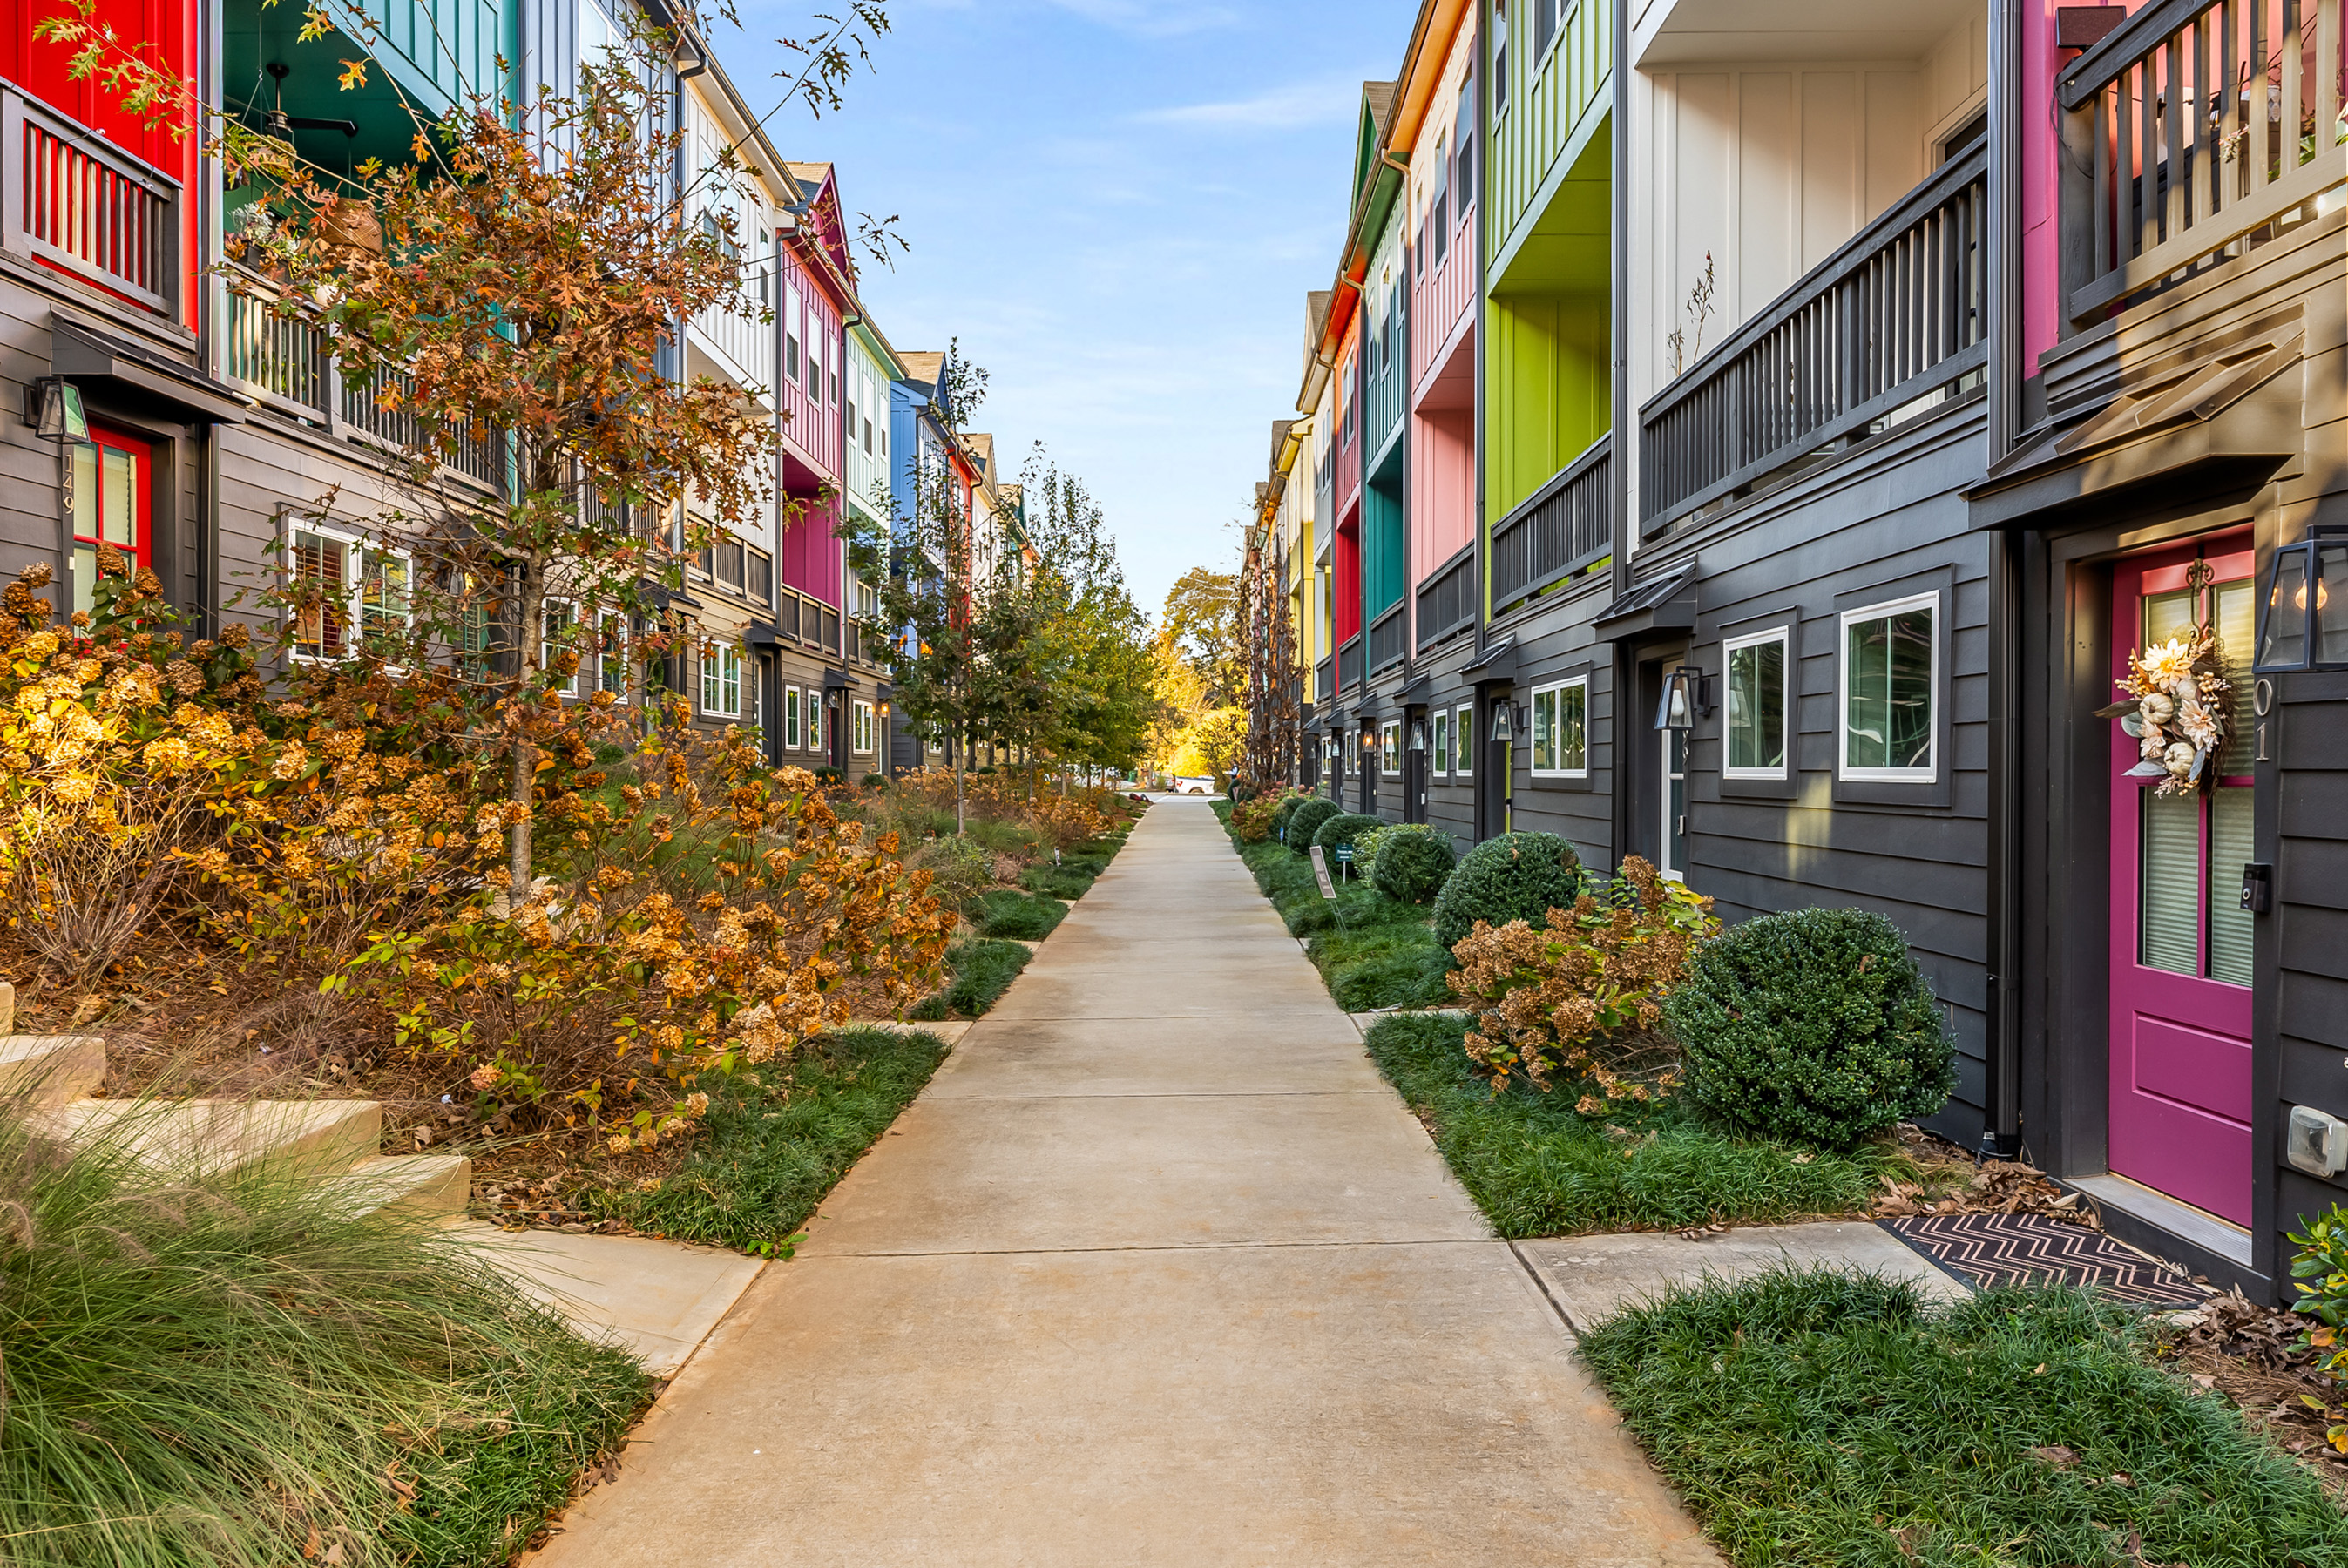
<point x="2180" y="1004"/>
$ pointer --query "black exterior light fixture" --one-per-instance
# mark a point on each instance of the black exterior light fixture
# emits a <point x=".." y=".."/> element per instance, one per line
<point x="1503" y="732"/>
<point x="1687" y="697"/>
<point x="53" y="408"/>
<point x="2300" y="628"/>
<point x="1419" y="735"/>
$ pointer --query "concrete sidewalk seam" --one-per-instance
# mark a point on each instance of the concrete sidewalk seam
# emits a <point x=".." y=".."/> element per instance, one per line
<point x="1158" y="1246"/>
<point x="1564" y="1317"/>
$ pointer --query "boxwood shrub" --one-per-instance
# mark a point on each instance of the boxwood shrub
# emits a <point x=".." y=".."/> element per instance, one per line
<point x="1285" y="810"/>
<point x="1514" y="877"/>
<point x="1813" y="1026"/>
<point x="1343" y="828"/>
<point x="1307" y="820"/>
<point x="1412" y="865"/>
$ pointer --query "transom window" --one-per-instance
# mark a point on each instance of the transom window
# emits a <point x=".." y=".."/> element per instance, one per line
<point x="1561" y="729"/>
<point x="1756" y="704"/>
<point x="1890" y="665"/>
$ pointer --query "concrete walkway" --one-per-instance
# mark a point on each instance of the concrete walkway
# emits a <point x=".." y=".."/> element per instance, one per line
<point x="1159" y="1270"/>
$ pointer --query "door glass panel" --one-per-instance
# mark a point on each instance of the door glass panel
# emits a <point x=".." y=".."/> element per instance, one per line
<point x="2231" y="817"/>
<point x="2169" y="873"/>
<point x="117" y="500"/>
<point x="1675" y="801"/>
<point x="2232" y="605"/>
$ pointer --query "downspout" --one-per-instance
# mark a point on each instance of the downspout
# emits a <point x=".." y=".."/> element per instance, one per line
<point x="1618" y="293"/>
<point x="1477" y="751"/>
<point x="2002" y="1128"/>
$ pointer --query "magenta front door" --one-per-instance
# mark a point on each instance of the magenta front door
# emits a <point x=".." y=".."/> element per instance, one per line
<point x="2180" y="1030"/>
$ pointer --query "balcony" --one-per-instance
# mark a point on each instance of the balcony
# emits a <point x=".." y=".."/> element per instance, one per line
<point x="1324" y="681"/>
<point x="742" y="346"/>
<point x="1893" y="321"/>
<point x="1566" y="525"/>
<point x="1446" y="601"/>
<point x="2174" y="162"/>
<point x="1349" y="665"/>
<point x="1389" y="639"/>
<point x="283" y="362"/>
<point x="70" y="200"/>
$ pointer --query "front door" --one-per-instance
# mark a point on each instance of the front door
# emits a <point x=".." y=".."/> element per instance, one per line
<point x="2180" y="1004"/>
<point x="1371" y="763"/>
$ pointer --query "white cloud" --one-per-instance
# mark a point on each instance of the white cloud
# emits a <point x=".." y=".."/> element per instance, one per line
<point x="1151" y="19"/>
<point x="1282" y="108"/>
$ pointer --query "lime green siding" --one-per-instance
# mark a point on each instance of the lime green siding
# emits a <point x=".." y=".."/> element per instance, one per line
<point x="1547" y="102"/>
<point x="1548" y="381"/>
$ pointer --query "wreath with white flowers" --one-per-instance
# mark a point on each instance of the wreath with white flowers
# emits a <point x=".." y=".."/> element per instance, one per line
<point x="2176" y="707"/>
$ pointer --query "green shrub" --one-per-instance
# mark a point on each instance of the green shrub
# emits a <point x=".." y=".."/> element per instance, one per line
<point x="1346" y="828"/>
<point x="1411" y="863"/>
<point x="875" y="780"/>
<point x="2322" y="1263"/>
<point x="1306" y="821"/>
<point x="962" y="866"/>
<point x="1022" y="917"/>
<point x="1814" y="1025"/>
<point x="1514" y="877"/>
<point x="1285" y="810"/>
<point x="1069" y="879"/>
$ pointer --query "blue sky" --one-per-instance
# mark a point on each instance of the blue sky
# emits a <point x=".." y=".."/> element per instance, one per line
<point x="1117" y="206"/>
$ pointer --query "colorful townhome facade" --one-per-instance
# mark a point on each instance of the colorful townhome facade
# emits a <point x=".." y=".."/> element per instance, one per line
<point x="1806" y="415"/>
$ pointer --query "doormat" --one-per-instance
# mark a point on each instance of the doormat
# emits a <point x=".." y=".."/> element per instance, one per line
<point x="2022" y="1249"/>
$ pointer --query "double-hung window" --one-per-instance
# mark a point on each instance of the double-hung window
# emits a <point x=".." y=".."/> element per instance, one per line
<point x="1561" y="730"/>
<point x="1756" y="700"/>
<point x="1441" y="757"/>
<point x="346" y="595"/>
<point x="1390" y="748"/>
<point x="1463" y="740"/>
<point x="791" y="328"/>
<point x="1500" y="56"/>
<point x="791" y="718"/>
<point x="721" y="680"/>
<point x="1888" y="677"/>
<point x="558" y="635"/>
<point x="862" y="735"/>
<point x="611" y="657"/>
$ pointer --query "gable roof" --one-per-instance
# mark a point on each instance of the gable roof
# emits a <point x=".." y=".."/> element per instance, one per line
<point x="922" y="367"/>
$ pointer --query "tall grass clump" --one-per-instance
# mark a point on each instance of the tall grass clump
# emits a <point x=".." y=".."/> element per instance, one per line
<point x="233" y="1367"/>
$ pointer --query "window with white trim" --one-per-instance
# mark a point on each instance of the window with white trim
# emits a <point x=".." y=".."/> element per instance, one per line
<point x="559" y="632"/>
<point x="1441" y="757"/>
<point x="791" y="718"/>
<point x="1463" y="740"/>
<point x="1562" y="729"/>
<point x="791" y="330"/>
<point x="611" y="655"/>
<point x="819" y="723"/>
<point x="1888" y="669"/>
<point x="1390" y="748"/>
<point x="1755" y="726"/>
<point x="721" y="680"/>
<point x="860" y="736"/>
<point x="362" y="595"/>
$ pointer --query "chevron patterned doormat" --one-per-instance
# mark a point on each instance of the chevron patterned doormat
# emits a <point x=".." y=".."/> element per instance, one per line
<point x="2017" y="1249"/>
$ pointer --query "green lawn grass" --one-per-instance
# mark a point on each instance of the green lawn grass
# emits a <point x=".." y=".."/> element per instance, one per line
<point x="774" y="1147"/>
<point x="1538" y="1167"/>
<point x="982" y="971"/>
<point x="1811" y="1418"/>
<point x="1372" y="951"/>
<point x="1022" y="917"/>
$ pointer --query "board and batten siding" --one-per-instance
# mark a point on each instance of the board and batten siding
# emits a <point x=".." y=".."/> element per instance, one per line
<point x="1546" y="99"/>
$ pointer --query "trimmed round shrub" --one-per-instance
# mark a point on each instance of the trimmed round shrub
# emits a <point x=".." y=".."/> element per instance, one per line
<point x="1813" y="1026"/>
<point x="1412" y="866"/>
<point x="1284" y="810"/>
<point x="1344" y="828"/>
<point x="1514" y="877"/>
<point x="1306" y="821"/>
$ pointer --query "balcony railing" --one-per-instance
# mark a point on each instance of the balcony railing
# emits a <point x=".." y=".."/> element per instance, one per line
<point x="1324" y="680"/>
<point x="1388" y="638"/>
<point x="2189" y="132"/>
<point x="1891" y="319"/>
<point x="1447" y="602"/>
<point x="1556" y="531"/>
<point x="285" y="363"/>
<point x="71" y="200"/>
<point x="1349" y="664"/>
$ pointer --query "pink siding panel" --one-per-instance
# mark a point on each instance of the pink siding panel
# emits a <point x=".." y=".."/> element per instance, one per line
<point x="814" y="421"/>
<point x="1442" y="297"/>
<point x="811" y="553"/>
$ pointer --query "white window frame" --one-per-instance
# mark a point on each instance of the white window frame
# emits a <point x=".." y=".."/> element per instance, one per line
<point x="721" y="668"/>
<point x="356" y="554"/>
<point x="1555" y="692"/>
<point x="1439" y="724"/>
<point x="611" y="624"/>
<point x="1729" y="649"/>
<point x="1929" y="602"/>
<point x="1463" y="740"/>
<point x="548" y="647"/>
<point x="1390" y="749"/>
<point x="861" y="733"/>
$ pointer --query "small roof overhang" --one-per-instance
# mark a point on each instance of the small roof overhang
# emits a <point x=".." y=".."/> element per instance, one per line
<point x="1664" y="603"/>
<point x="183" y="393"/>
<point x="1496" y="667"/>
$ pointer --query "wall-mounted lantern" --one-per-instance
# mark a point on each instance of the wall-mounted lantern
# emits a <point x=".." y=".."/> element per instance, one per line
<point x="1503" y="730"/>
<point x="2298" y="628"/>
<point x="1687" y="696"/>
<point x="1419" y="735"/>
<point x="53" y="408"/>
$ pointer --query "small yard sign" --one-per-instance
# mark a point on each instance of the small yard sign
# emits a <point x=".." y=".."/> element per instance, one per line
<point x="1321" y="871"/>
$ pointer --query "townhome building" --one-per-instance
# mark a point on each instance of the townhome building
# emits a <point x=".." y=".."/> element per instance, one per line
<point x="1825" y="409"/>
<point x="935" y="481"/>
